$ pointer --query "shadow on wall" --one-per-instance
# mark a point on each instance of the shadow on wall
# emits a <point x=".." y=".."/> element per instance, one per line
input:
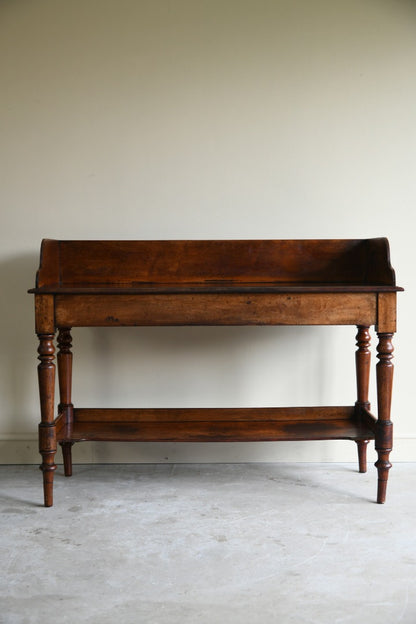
<point x="19" y="343"/>
<point x="199" y="366"/>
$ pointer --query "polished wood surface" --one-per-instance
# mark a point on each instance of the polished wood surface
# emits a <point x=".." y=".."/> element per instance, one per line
<point x="232" y="282"/>
<point x="362" y="364"/>
<point x="215" y="264"/>
<point x="215" y="309"/>
<point x="216" y="424"/>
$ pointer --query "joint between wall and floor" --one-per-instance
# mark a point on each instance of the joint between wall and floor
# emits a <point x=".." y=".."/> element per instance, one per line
<point x="23" y="449"/>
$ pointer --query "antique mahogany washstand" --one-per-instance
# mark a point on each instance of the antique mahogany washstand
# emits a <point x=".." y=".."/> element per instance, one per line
<point x="214" y="282"/>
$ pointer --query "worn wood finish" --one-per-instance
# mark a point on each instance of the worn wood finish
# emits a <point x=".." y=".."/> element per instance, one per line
<point x="386" y="317"/>
<point x="66" y="408"/>
<point x="384" y="433"/>
<point x="219" y="431"/>
<point x="47" y="426"/>
<point x="128" y="263"/>
<point x="67" y="456"/>
<point x="362" y="455"/>
<point x="362" y="363"/>
<point x="44" y="314"/>
<point x="216" y="424"/>
<point x="216" y="309"/>
<point x="243" y="282"/>
<point x="204" y="414"/>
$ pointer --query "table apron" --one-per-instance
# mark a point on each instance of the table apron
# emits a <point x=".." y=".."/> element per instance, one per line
<point x="98" y="310"/>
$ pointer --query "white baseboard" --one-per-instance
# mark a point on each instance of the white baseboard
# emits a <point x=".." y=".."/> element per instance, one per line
<point x="23" y="449"/>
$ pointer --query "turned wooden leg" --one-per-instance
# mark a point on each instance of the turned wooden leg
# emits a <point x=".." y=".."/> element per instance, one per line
<point x="47" y="429"/>
<point x="67" y="457"/>
<point x="384" y="432"/>
<point x="362" y="455"/>
<point x="65" y="389"/>
<point x="362" y="365"/>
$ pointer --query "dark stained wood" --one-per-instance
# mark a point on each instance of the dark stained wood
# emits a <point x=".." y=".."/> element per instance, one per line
<point x="132" y="263"/>
<point x="47" y="426"/>
<point x="233" y="282"/>
<point x="66" y="408"/>
<point x="362" y="363"/>
<point x="48" y="273"/>
<point x="61" y="425"/>
<point x="44" y="314"/>
<point x="384" y="432"/>
<point x="362" y="455"/>
<point x="67" y="456"/>
<point x="212" y="414"/>
<point x="366" y="419"/>
<point x="386" y="316"/>
<point x="219" y="431"/>
<point x="216" y="309"/>
<point x="216" y="424"/>
<point x="219" y="287"/>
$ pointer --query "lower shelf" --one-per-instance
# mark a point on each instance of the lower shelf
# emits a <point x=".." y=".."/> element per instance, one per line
<point x="218" y="425"/>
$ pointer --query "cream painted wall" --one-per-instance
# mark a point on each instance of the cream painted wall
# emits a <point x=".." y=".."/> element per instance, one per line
<point x="204" y="119"/>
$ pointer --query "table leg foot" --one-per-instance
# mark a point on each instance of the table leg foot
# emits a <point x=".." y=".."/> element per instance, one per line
<point x="362" y="455"/>
<point x="383" y="466"/>
<point x="67" y="457"/>
<point x="48" y="468"/>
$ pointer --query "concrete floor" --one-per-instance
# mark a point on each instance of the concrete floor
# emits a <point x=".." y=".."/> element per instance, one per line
<point x="207" y="544"/>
